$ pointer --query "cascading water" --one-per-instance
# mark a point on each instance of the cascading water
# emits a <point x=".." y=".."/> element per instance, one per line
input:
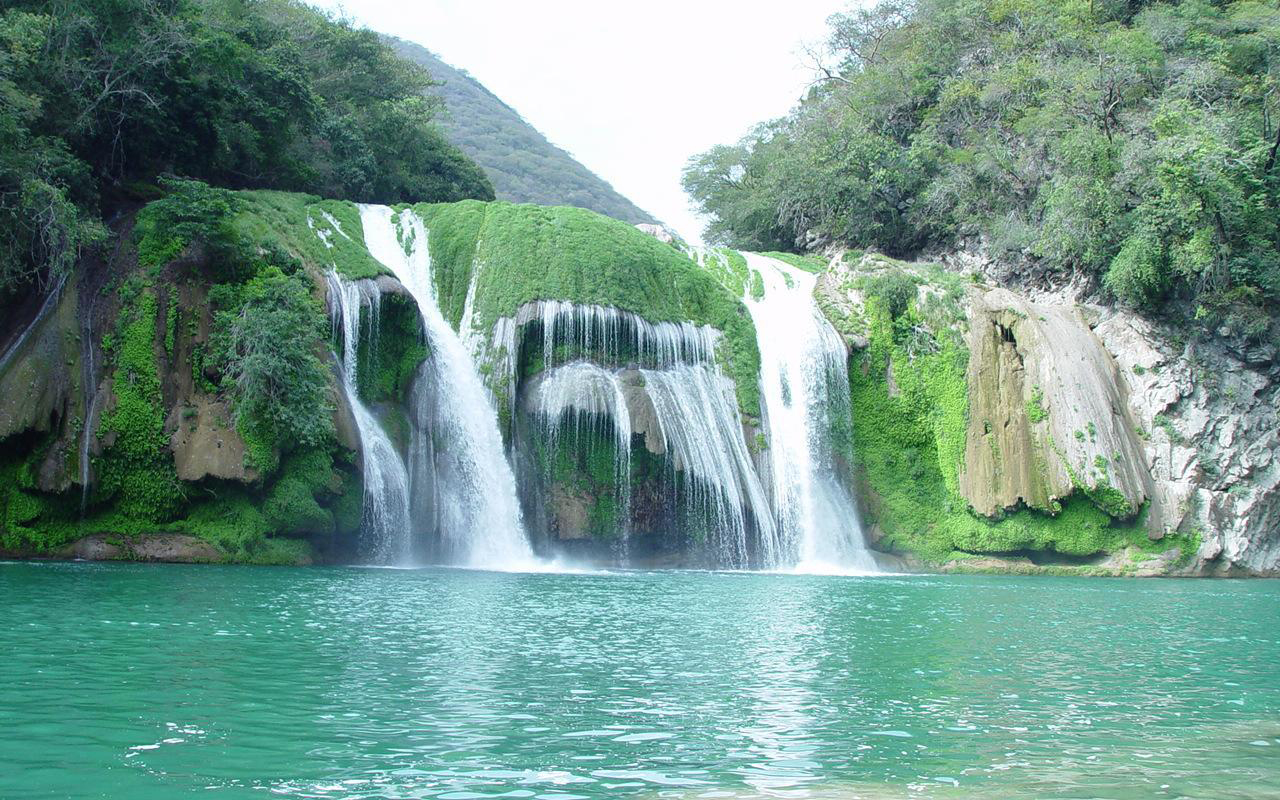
<point x="49" y="304"/>
<point x="477" y="507"/>
<point x="804" y="382"/>
<point x="582" y="397"/>
<point x="386" y="535"/>
<point x="698" y="415"/>
<point x="693" y="405"/>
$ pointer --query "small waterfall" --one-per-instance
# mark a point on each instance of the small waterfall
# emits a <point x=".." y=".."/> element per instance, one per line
<point x="804" y="380"/>
<point x="698" y="416"/>
<point x="606" y="335"/>
<point x="385" y="534"/>
<point x="582" y="394"/>
<point x="477" y="507"/>
<point x="89" y="393"/>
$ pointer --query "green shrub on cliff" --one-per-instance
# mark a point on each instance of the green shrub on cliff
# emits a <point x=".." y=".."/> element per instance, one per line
<point x="265" y="337"/>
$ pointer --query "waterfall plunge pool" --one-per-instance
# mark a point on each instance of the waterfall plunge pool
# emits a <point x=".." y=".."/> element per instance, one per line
<point x="167" y="681"/>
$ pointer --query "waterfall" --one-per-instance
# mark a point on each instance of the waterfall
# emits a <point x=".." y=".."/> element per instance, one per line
<point x="477" y="507"/>
<point x="698" y="416"/>
<point x="582" y="391"/>
<point x="586" y="349"/>
<point x="385" y="534"/>
<point x="582" y="394"/>
<point x="804" y="381"/>
<point x="604" y="334"/>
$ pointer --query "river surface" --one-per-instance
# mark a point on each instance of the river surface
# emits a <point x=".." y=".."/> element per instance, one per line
<point x="133" y="681"/>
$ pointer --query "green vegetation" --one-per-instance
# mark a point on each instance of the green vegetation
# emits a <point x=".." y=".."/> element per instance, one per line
<point x="265" y="333"/>
<point x="729" y="267"/>
<point x="523" y="165"/>
<point x="101" y="97"/>
<point x="538" y="253"/>
<point x="1035" y="406"/>
<point x="807" y="263"/>
<point x="390" y="350"/>
<point x="136" y="470"/>
<point x="1134" y="142"/>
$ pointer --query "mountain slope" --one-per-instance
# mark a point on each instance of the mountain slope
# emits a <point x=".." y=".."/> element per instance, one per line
<point x="523" y="165"/>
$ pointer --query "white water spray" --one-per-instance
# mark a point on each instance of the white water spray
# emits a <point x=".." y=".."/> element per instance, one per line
<point x="478" y="510"/>
<point x="804" y="380"/>
<point x="386" y="537"/>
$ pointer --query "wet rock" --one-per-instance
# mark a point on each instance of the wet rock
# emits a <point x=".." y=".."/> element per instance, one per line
<point x="182" y="548"/>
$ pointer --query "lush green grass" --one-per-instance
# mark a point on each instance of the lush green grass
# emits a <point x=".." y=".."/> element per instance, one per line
<point x="297" y="222"/>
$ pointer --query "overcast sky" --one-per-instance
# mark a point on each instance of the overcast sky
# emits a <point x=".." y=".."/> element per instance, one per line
<point x="631" y="90"/>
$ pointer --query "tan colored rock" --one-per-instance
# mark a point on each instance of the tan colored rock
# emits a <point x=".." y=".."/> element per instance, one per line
<point x="180" y="548"/>
<point x="205" y="443"/>
<point x="644" y="417"/>
<point x="40" y="377"/>
<point x="1040" y="359"/>
<point x="570" y="512"/>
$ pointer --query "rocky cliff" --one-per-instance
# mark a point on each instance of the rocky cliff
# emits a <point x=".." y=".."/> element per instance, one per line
<point x="1053" y="433"/>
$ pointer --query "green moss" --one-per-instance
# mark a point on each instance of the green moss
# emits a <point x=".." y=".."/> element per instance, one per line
<point x="170" y="325"/>
<point x="582" y="460"/>
<point x="757" y="285"/>
<point x="301" y="225"/>
<point x="728" y="267"/>
<point x="136" y="471"/>
<point x="390" y="350"/>
<point x="812" y="264"/>
<point x="291" y="506"/>
<point x="533" y="253"/>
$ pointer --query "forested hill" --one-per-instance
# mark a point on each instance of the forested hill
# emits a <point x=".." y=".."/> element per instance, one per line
<point x="523" y="165"/>
<point x="1131" y="143"/>
<point x="103" y="103"/>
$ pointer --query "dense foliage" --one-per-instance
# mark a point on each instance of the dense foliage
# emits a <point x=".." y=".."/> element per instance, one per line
<point x="524" y="166"/>
<point x="97" y="97"/>
<point x="1132" y="142"/>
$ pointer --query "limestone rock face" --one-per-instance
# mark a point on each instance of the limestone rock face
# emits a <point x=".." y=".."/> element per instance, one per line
<point x="41" y="372"/>
<point x="1141" y="414"/>
<point x="1213" y="440"/>
<point x="1048" y="412"/>
<point x="40" y="381"/>
<point x="205" y="443"/>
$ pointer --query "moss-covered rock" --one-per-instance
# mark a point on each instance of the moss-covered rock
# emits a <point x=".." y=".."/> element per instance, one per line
<point x="925" y="415"/>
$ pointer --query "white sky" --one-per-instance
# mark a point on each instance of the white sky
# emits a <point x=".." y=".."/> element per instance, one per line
<point x="631" y="90"/>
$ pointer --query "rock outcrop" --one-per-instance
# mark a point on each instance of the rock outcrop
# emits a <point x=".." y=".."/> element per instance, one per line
<point x="1172" y="429"/>
<point x="1048" y="412"/>
<point x="1211" y="439"/>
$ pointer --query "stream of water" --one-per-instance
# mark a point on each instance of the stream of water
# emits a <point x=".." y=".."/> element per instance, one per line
<point x="386" y="537"/>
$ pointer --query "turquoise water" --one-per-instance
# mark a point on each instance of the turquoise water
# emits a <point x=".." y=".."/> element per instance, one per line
<point x="167" y="681"/>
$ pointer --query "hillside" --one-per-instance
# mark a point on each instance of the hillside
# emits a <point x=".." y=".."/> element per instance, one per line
<point x="523" y="165"/>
